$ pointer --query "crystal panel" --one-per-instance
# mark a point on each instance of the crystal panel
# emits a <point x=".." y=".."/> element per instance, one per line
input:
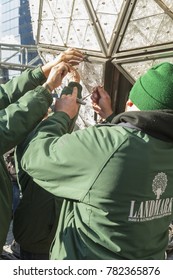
<point x="81" y="31"/>
<point x="145" y="9"/>
<point x="136" y="69"/>
<point x="148" y="26"/>
<point x="67" y="24"/>
<point x="61" y="9"/>
<point x="75" y="23"/>
<point x="49" y="34"/>
<point x="107" y="23"/>
<point x="107" y="13"/>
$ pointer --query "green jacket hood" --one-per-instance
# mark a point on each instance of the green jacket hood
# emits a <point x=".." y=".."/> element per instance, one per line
<point x="156" y="123"/>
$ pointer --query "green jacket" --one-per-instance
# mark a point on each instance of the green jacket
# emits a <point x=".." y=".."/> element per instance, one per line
<point x="36" y="218"/>
<point x="21" y="108"/>
<point x="116" y="181"/>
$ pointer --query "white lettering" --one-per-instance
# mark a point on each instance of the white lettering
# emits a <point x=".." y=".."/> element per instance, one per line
<point x="132" y="208"/>
<point x="150" y="210"/>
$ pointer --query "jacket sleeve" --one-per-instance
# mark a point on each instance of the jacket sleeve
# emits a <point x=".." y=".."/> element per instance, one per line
<point x="62" y="163"/>
<point x="19" y="118"/>
<point x="64" y="125"/>
<point x="18" y="86"/>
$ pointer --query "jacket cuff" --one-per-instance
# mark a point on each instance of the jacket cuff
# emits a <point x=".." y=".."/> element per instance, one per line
<point x="45" y="92"/>
<point x="39" y="75"/>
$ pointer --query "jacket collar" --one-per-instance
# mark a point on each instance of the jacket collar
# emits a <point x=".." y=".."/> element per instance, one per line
<point x="157" y="123"/>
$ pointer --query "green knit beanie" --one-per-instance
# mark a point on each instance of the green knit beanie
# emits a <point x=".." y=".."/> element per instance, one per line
<point x="154" y="90"/>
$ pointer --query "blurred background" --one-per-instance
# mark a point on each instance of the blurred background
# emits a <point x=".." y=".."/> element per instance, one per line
<point x="121" y="38"/>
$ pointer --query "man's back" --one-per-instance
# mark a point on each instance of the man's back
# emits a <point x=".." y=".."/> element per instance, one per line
<point x="125" y="213"/>
<point x="118" y="199"/>
<point x="116" y="181"/>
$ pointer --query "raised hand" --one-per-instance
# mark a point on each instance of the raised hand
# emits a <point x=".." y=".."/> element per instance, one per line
<point x="70" y="56"/>
<point x="101" y="102"/>
<point x="73" y="75"/>
<point x="56" y="75"/>
<point x="68" y="104"/>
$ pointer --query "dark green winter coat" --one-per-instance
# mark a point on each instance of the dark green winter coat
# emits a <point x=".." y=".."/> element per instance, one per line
<point x="116" y="181"/>
<point x="21" y="108"/>
<point x="36" y="218"/>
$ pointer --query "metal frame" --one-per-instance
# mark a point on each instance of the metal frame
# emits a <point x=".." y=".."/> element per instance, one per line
<point x="165" y="8"/>
<point x="106" y="49"/>
<point x="55" y="51"/>
<point x="152" y="56"/>
<point x="148" y="56"/>
<point x="97" y="27"/>
<point x="124" y="73"/>
<point x="22" y="50"/>
<point x="124" y="21"/>
<point x="111" y="50"/>
<point x="142" y="51"/>
<point x="123" y="24"/>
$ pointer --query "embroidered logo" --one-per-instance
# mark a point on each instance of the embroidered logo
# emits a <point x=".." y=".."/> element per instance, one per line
<point x="152" y="209"/>
<point x="159" y="184"/>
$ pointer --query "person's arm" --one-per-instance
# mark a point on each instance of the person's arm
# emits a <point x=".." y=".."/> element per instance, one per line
<point x="18" y="86"/>
<point x="30" y="79"/>
<point x="101" y="103"/>
<point x="52" y="128"/>
<point x="66" y="164"/>
<point x="74" y="79"/>
<point x="19" y="118"/>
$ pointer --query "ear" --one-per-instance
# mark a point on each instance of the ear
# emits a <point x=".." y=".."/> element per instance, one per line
<point x="129" y="103"/>
<point x="130" y="106"/>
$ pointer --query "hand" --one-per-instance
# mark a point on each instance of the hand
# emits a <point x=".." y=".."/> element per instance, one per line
<point x="73" y="75"/>
<point x="71" y="56"/>
<point x="67" y="103"/>
<point x="101" y="102"/>
<point x="56" y="76"/>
